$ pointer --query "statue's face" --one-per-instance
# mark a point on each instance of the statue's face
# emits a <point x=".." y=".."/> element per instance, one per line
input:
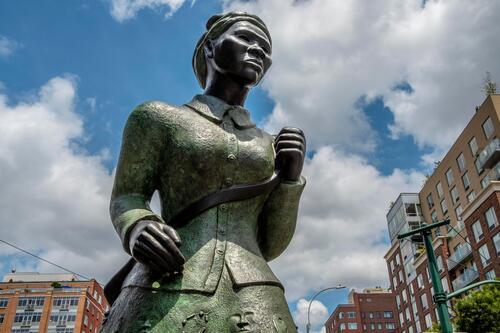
<point x="243" y="52"/>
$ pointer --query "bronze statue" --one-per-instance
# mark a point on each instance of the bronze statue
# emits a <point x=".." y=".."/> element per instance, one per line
<point x="229" y="193"/>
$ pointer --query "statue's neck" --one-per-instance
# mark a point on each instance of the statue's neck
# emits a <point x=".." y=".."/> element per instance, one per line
<point x="227" y="89"/>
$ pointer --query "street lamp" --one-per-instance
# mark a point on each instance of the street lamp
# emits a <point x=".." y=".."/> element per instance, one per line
<point x="312" y="299"/>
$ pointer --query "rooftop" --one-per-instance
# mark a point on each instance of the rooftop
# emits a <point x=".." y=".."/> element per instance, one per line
<point x="39" y="277"/>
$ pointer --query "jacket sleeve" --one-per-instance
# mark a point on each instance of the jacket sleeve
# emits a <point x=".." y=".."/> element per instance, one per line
<point x="137" y="172"/>
<point x="279" y="217"/>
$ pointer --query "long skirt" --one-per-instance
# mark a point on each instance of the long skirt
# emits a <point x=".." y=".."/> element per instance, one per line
<point x="256" y="309"/>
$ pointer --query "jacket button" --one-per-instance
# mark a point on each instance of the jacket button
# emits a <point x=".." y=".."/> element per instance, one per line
<point x="220" y="251"/>
<point x="231" y="157"/>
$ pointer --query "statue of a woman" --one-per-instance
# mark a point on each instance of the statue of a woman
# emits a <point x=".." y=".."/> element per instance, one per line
<point x="229" y="193"/>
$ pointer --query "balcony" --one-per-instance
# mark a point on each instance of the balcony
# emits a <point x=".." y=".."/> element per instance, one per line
<point x="494" y="174"/>
<point x="490" y="155"/>
<point x="467" y="277"/>
<point x="461" y="253"/>
<point x="457" y="229"/>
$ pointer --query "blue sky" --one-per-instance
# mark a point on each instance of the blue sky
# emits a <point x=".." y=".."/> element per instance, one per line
<point x="375" y="104"/>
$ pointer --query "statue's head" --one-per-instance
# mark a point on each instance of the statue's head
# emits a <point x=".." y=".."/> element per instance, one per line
<point x="235" y="44"/>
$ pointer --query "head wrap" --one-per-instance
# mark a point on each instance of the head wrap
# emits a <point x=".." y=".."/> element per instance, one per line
<point x="216" y="26"/>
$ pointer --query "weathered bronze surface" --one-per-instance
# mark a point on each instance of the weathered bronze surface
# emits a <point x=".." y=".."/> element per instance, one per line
<point x="210" y="273"/>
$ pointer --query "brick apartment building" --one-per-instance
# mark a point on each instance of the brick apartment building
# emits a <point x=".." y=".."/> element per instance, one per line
<point x="464" y="188"/>
<point x="50" y="303"/>
<point x="370" y="310"/>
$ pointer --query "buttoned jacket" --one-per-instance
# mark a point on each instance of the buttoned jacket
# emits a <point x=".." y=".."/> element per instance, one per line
<point x="185" y="153"/>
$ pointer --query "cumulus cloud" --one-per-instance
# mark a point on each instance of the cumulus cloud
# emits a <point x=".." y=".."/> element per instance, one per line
<point x="54" y="195"/>
<point x="7" y="46"/>
<point x="327" y="54"/>
<point x="123" y="10"/>
<point x="318" y="315"/>
<point x="340" y="237"/>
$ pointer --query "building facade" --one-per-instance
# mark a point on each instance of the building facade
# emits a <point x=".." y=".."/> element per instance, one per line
<point x="370" y="310"/>
<point x="465" y="189"/>
<point x="50" y="303"/>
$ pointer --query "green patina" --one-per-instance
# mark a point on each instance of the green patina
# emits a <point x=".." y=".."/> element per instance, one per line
<point x="186" y="153"/>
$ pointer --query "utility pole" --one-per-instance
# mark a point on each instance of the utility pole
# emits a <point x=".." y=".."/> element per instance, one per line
<point x="439" y="294"/>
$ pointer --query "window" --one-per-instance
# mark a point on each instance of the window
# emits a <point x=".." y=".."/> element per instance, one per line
<point x="488" y="128"/>
<point x="341" y="315"/>
<point x="401" y="276"/>
<point x="342" y="326"/>
<point x="351" y="314"/>
<point x="471" y="196"/>
<point x="491" y="218"/>
<point x="388" y="314"/>
<point x="428" y="320"/>
<point x="461" y="162"/>
<point x="372" y="327"/>
<point x="479" y="168"/>
<point x="85" y="320"/>
<point x="473" y="146"/>
<point x="485" y="255"/>
<point x="458" y="211"/>
<point x="485" y="181"/>
<point x="439" y="189"/>
<point x="449" y="176"/>
<point x="398" y="259"/>
<point x="405" y="298"/>
<point x="444" y="207"/>
<point x="394" y="282"/>
<point x="352" y="326"/>
<point x="477" y="231"/>
<point x="379" y="326"/>
<point x="391" y="264"/>
<point x="370" y="315"/>
<point x="439" y="261"/>
<point x="420" y="281"/>
<point x="490" y="275"/>
<point x="466" y="181"/>
<point x="407" y="313"/>
<point x="390" y="326"/>
<point x="496" y="241"/>
<point x="65" y="302"/>
<point x="2" y="316"/>
<point x="444" y="283"/>
<point x="27" y="318"/>
<point x="434" y="217"/>
<point x="454" y="195"/>
<point x="31" y="301"/>
<point x="4" y="302"/>
<point x="398" y="301"/>
<point x="401" y="319"/>
<point x="423" y="299"/>
<point x="430" y="202"/>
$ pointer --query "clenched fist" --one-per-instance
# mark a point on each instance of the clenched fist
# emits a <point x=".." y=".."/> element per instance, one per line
<point x="156" y="245"/>
<point x="290" y="146"/>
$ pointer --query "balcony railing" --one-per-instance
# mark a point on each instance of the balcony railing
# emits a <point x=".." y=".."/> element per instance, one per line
<point x="460" y="255"/>
<point x="467" y="277"/>
<point x="457" y="229"/>
<point x="490" y="155"/>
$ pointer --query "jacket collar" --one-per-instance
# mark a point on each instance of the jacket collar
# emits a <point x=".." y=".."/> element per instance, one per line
<point x="214" y="109"/>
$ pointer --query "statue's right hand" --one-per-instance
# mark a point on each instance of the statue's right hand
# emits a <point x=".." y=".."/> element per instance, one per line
<point x="156" y="245"/>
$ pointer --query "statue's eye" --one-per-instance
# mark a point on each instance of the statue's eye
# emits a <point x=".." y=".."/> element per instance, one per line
<point x="243" y="37"/>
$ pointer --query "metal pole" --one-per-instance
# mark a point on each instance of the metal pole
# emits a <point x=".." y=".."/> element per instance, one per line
<point x="308" y="326"/>
<point x="439" y="294"/>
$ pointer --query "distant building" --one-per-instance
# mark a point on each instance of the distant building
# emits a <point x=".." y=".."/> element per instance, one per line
<point x="50" y="303"/>
<point x="372" y="310"/>
<point x="465" y="188"/>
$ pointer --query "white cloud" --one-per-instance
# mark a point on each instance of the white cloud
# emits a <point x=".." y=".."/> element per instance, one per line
<point x="342" y="226"/>
<point x="327" y="54"/>
<point x="318" y="315"/>
<point x="54" y="195"/>
<point x="123" y="10"/>
<point x="7" y="46"/>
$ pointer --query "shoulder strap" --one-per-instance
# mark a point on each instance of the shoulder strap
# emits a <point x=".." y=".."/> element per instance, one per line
<point x="234" y="193"/>
<point x="230" y="194"/>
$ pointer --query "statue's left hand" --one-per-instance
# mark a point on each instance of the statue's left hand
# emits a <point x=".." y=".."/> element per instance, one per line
<point x="290" y="145"/>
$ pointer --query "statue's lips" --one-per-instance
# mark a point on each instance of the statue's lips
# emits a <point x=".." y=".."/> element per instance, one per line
<point x="255" y="63"/>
